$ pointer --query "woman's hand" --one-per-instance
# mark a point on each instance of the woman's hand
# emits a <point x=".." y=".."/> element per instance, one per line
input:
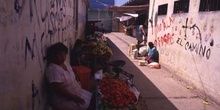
<point x="78" y="100"/>
<point x="60" y="89"/>
<point x="147" y="58"/>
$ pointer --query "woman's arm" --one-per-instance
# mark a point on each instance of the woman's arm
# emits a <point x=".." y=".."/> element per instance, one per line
<point x="142" y="29"/>
<point x="59" y="88"/>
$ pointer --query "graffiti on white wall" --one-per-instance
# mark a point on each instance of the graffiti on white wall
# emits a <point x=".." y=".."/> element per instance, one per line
<point x="35" y="95"/>
<point x="52" y="19"/>
<point x="196" y="45"/>
<point x="28" y="27"/>
<point x="19" y="6"/>
<point x="188" y="41"/>
<point x="168" y="37"/>
<point x="187" y="34"/>
<point x="49" y="23"/>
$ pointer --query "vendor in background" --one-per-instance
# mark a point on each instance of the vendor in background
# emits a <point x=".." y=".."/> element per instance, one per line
<point x="64" y="90"/>
<point x="139" y="35"/>
<point x="78" y="55"/>
<point x="75" y="53"/>
<point x="125" y="30"/>
<point x="152" y="53"/>
<point x="145" y="36"/>
<point x="90" y="30"/>
<point x="102" y="28"/>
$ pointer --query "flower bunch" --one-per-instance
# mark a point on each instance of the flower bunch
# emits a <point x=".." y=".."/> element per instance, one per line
<point x="116" y="93"/>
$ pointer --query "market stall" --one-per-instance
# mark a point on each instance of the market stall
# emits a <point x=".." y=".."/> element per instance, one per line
<point x="115" y="89"/>
<point x="111" y="90"/>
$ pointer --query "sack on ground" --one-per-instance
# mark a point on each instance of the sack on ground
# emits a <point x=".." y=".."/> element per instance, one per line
<point x="135" y="54"/>
<point x="154" y="65"/>
<point x="142" y="62"/>
<point x="143" y="50"/>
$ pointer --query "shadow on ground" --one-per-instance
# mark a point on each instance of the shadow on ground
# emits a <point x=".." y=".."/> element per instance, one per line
<point x="153" y="98"/>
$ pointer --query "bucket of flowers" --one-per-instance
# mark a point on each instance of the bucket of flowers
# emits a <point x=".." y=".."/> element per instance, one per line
<point x="102" y="52"/>
<point x="116" y="94"/>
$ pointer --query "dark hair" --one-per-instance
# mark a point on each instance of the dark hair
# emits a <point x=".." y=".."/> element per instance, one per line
<point x="150" y="44"/>
<point x="54" y="49"/>
<point x="78" y="44"/>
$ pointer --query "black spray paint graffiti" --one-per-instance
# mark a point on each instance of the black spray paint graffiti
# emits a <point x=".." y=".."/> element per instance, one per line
<point x="58" y="15"/>
<point x="44" y="15"/>
<point x="179" y="41"/>
<point x="34" y="94"/>
<point x="19" y="6"/>
<point x="198" y="48"/>
<point x="31" y="11"/>
<point x="196" y="27"/>
<point x="56" y="18"/>
<point x="33" y="50"/>
<point x="185" y="31"/>
<point x="57" y="12"/>
<point x="30" y="49"/>
<point x="52" y="14"/>
<point x="193" y="27"/>
<point x="42" y="47"/>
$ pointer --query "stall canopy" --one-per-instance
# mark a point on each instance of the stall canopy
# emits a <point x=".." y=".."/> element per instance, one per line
<point x="132" y="14"/>
<point x="128" y="8"/>
<point x="124" y="18"/>
<point x="127" y="16"/>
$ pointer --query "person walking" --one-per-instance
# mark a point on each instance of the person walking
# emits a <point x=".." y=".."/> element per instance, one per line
<point x="139" y="35"/>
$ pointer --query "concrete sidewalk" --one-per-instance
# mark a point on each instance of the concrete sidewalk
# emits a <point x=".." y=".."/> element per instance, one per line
<point x="159" y="90"/>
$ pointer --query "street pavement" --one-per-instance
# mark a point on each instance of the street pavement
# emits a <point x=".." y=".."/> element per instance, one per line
<point x="159" y="89"/>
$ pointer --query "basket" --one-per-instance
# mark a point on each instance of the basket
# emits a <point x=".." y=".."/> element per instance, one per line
<point x="84" y="75"/>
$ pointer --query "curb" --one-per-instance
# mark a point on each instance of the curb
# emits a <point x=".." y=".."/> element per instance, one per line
<point x="121" y="39"/>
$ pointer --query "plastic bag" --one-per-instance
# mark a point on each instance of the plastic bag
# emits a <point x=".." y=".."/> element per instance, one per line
<point x="143" y="50"/>
<point x="154" y="65"/>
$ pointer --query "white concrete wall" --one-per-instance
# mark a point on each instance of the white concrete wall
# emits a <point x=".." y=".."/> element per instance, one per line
<point x="27" y="28"/>
<point x="189" y="44"/>
<point x="81" y="19"/>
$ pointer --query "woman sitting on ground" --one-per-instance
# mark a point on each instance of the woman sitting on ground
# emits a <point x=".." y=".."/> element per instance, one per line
<point x="64" y="89"/>
<point x="152" y="54"/>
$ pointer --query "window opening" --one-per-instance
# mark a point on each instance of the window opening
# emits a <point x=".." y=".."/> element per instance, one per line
<point x="181" y="6"/>
<point x="209" y="5"/>
<point x="162" y="9"/>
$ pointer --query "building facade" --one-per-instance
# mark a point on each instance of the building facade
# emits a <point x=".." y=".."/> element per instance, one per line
<point x="139" y="7"/>
<point x="186" y="34"/>
<point x="98" y="12"/>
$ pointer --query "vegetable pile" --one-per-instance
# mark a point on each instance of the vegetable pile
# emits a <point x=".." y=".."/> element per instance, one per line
<point x="116" y="93"/>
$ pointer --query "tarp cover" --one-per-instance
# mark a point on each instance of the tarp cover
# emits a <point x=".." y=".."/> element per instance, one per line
<point x="124" y="18"/>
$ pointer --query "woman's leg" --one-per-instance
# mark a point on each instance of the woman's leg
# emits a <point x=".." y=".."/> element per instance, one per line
<point x="138" y="44"/>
